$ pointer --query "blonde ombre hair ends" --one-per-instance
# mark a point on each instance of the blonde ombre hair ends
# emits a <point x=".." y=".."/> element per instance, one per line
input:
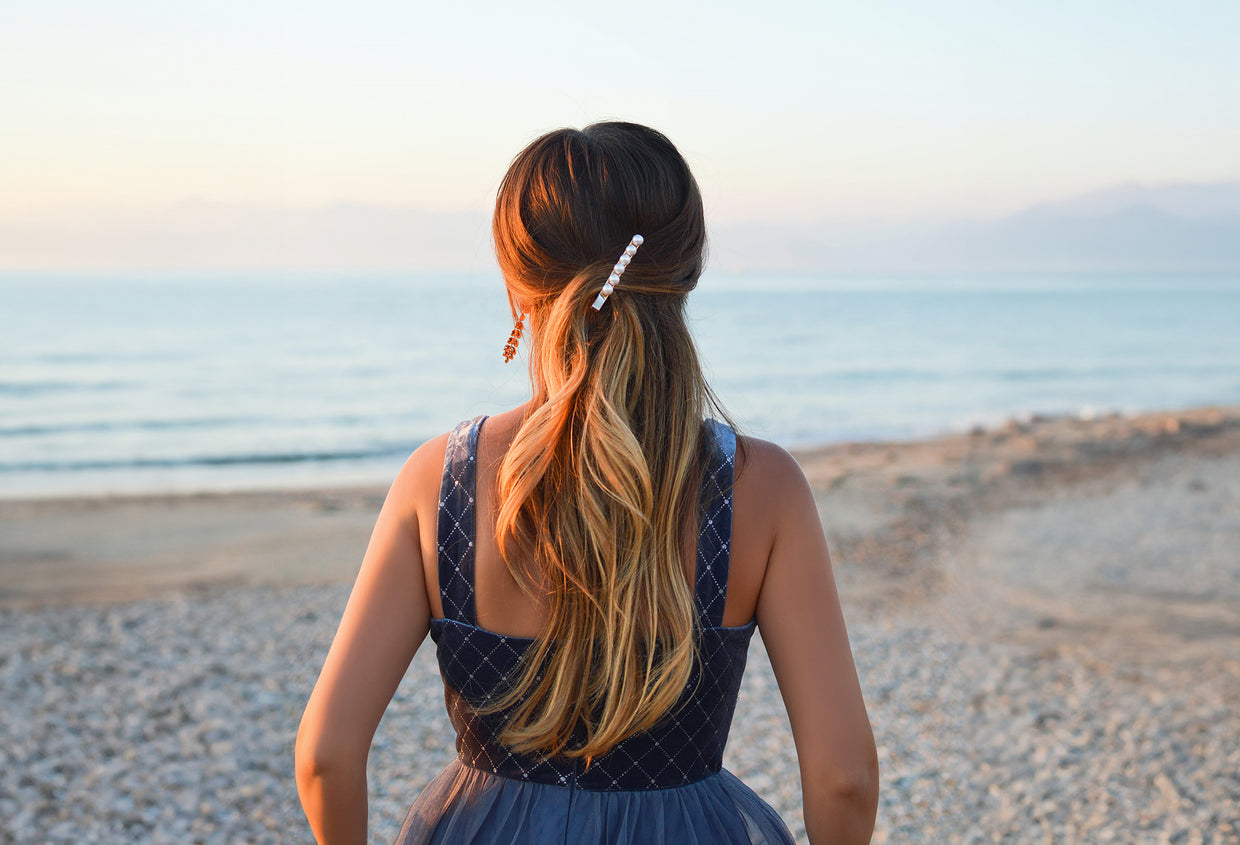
<point x="602" y="479"/>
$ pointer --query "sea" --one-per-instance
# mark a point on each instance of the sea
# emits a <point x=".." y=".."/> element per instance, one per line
<point x="180" y="382"/>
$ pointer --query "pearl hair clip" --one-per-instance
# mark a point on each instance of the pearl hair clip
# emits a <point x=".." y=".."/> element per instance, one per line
<point x="618" y="271"/>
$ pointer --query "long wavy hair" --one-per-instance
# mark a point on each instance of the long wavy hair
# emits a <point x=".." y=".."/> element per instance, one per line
<point x="602" y="478"/>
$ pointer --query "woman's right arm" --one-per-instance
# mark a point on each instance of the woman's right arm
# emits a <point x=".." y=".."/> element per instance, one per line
<point x="803" y="630"/>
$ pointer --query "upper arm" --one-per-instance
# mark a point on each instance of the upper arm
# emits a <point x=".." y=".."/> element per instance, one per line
<point x="384" y="622"/>
<point x="802" y="627"/>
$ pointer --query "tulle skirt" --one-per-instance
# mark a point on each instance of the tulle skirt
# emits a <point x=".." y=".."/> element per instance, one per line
<point x="464" y="805"/>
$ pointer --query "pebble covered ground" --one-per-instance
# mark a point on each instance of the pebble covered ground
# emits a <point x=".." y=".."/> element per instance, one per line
<point x="173" y="720"/>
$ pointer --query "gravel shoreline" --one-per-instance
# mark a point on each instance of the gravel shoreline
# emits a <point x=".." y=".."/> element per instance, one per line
<point x="1002" y="712"/>
<point x="160" y="721"/>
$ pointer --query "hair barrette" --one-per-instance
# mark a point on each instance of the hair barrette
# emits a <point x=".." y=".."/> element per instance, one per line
<point x="618" y="271"/>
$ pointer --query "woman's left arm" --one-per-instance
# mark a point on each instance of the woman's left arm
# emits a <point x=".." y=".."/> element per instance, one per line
<point x="384" y="622"/>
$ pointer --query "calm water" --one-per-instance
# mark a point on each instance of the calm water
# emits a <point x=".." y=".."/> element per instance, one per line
<point x="181" y="382"/>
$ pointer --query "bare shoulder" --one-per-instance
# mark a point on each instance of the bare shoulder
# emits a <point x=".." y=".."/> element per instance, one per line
<point x="768" y="476"/>
<point x="429" y="455"/>
<point x="769" y="485"/>
<point x="774" y="500"/>
<point x="766" y="458"/>
<point x="417" y="482"/>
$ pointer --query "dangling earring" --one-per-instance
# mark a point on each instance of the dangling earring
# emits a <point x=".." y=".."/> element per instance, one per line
<point x="510" y="348"/>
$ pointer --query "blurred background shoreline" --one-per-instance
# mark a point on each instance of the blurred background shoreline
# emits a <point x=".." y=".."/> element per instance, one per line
<point x="84" y="547"/>
<point x="132" y="383"/>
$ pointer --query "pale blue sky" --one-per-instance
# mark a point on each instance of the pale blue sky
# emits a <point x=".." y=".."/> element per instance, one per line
<point x="787" y="111"/>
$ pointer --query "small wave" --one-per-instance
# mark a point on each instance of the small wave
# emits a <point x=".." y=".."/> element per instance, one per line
<point x="761" y="379"/>
<point x="885" y="374"/>
<point x="104" y="426"/>
<point x="1118" y="372"/>
<point x="39" y="388"/>
<point x="98" y="426"/>
<point x="246" y="459"/>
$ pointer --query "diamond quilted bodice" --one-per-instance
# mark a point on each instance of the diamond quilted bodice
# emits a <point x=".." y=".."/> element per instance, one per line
<point x="475" y="663"/>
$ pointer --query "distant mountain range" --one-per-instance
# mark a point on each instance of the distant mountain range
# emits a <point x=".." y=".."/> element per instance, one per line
<point x="1133" y="228"/>
<point x="1127" y="228"/>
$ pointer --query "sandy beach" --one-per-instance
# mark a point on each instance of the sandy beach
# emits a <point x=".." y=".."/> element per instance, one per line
<point x="1045" y="617"/>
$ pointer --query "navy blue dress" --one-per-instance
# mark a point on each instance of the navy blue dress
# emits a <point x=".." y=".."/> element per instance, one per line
<point x="666" y="785"/>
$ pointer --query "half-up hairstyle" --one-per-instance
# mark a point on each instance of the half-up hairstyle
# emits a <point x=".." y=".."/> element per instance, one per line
<point x="599" y="484"/>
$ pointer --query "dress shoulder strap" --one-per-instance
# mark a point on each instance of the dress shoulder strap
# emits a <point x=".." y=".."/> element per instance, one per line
<point x="457" y="511"/>
<point x="715" y="524"/>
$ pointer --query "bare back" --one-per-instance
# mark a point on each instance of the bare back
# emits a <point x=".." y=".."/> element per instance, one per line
<point x="504" y="608"/>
